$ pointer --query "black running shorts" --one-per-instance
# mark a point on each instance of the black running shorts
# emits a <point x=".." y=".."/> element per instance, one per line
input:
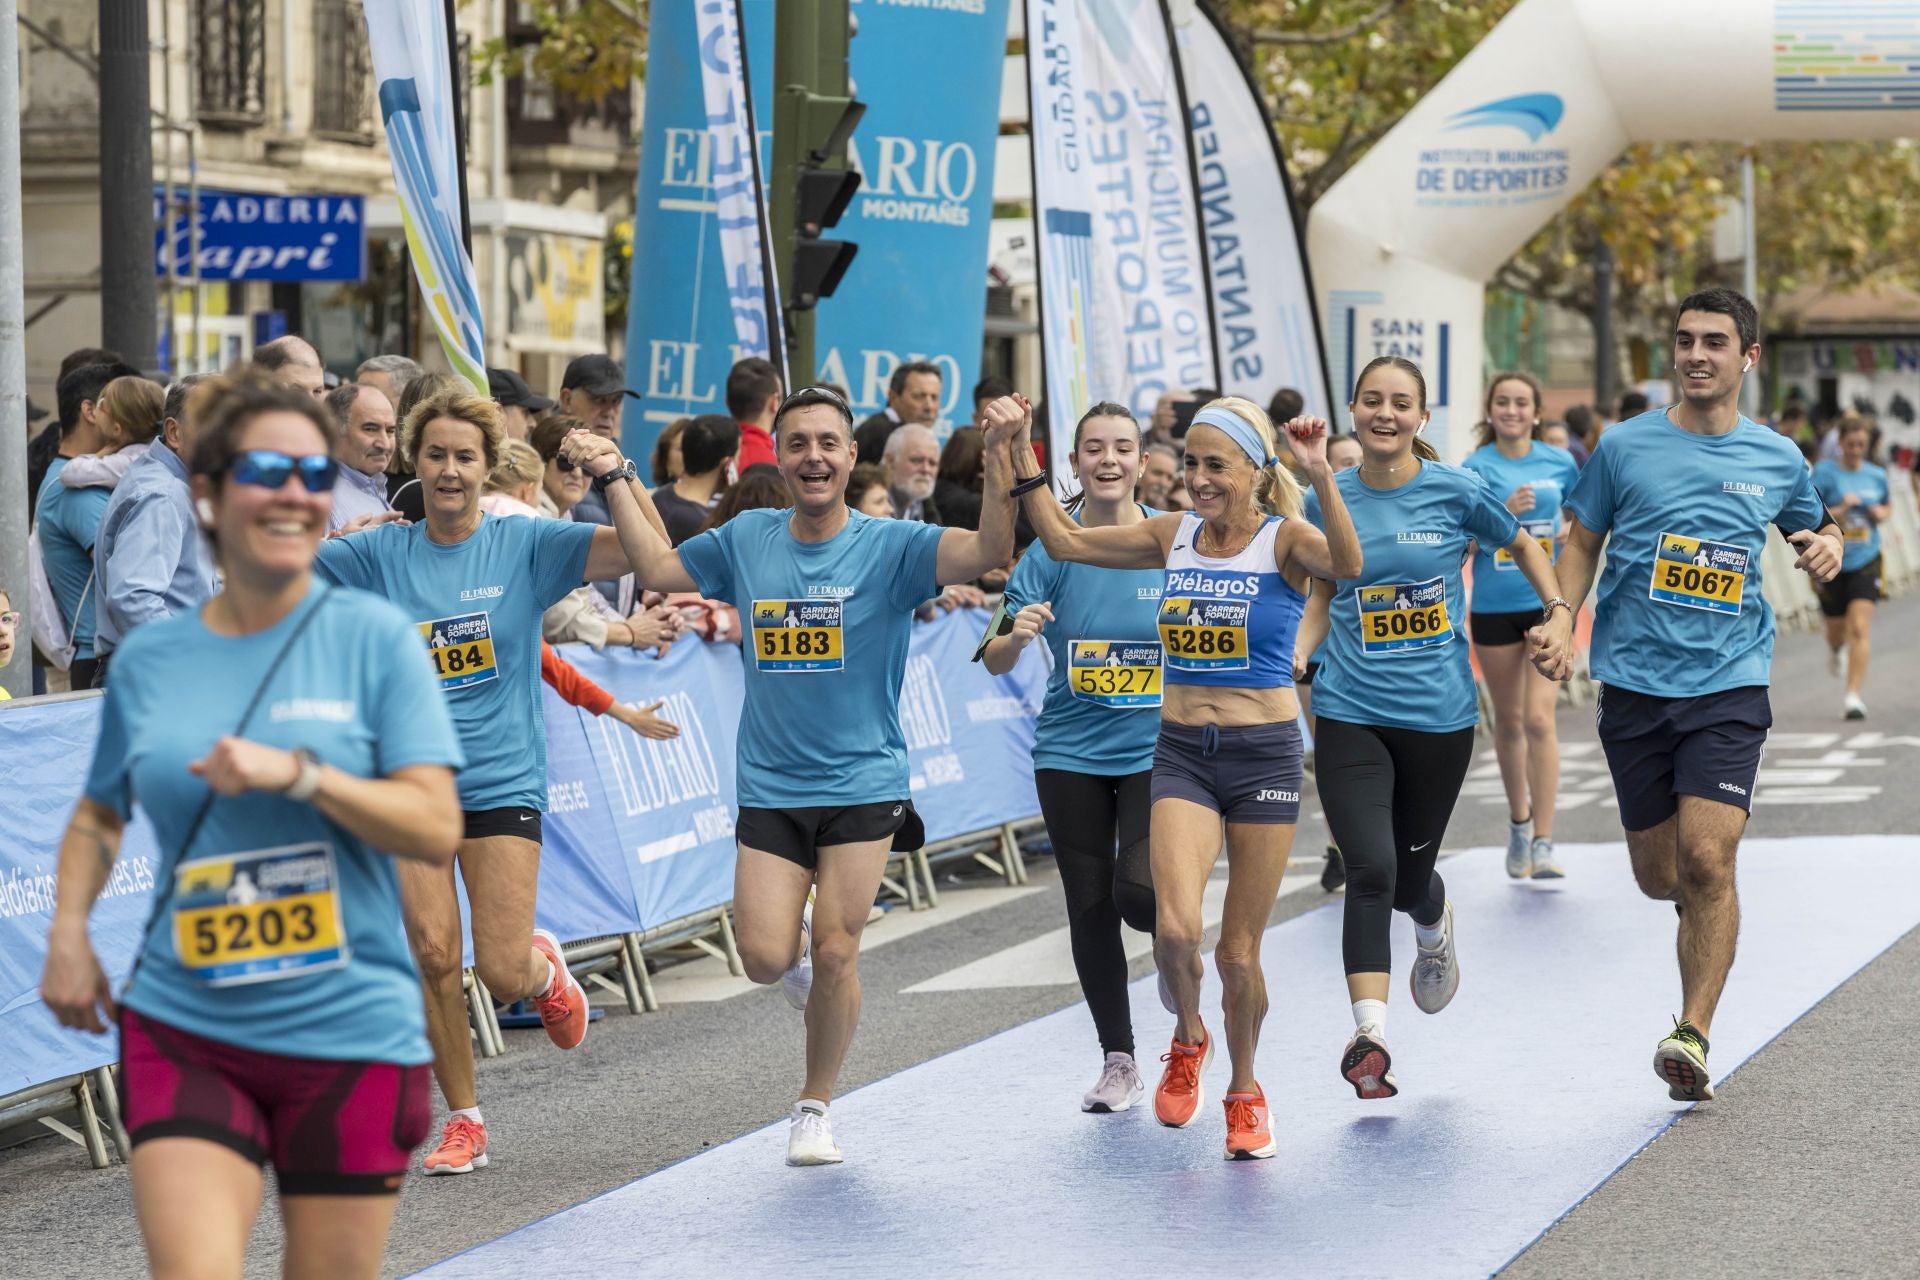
<point x="1662" y="748"/>
<point x="798" y="835"/>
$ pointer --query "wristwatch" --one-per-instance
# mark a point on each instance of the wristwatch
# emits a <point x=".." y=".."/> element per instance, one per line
<point x="307" y="781"/>
<point x="625" y="471"/>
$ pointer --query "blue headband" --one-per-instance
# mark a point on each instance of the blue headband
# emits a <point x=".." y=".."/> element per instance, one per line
<point x="1239" y="430"/>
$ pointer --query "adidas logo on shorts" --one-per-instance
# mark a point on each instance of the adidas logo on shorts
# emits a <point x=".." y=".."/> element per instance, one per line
<point x="1728" y="786"/>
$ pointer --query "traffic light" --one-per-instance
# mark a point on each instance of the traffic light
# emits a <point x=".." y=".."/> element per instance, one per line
<point x="822" y="192"/>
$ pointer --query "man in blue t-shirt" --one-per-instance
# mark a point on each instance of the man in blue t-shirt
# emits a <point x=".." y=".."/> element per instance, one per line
<point x="826" y="598"/>
<point x="1683" y="637"/>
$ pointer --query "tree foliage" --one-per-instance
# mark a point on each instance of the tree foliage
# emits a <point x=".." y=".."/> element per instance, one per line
<point x="586" y="49"/>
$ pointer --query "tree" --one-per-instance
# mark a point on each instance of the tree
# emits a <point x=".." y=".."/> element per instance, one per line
<point x="586" y="49"/>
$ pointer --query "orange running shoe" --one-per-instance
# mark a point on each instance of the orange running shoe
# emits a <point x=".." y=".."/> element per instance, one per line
<point x="1177" y="1100"/>
<point x="563" y="1005"/>
<point x="1249" y="1135"/>
<point x="462" y="1149"/>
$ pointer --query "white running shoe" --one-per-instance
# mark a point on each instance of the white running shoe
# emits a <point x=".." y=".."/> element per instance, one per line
<point x="810" y="1137"/>
<point x="1837" y="663"/>
<point x="1119" y="1088"/>
<point x="1367" y="1066"/>
<point x="1436" y="973"/>
<point x="1855" y="709"/>
<point x="1545" y="867"/>
<point x="797" y="982"/>
<point x="1520" y="849"/>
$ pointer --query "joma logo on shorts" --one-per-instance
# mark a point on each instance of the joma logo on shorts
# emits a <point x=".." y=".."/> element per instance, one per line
<point x="1280" y="797"/>
<point x="1728" y="786"/>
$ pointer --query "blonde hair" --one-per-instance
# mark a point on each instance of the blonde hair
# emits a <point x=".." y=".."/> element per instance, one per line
<point x="1276" y="492"/>
<point x="135" y="406"/>
<point x="519" y="465"/>
<point x="462" y="405"/>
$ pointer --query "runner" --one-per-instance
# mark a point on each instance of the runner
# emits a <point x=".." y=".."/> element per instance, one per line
<point x="288" y="744"/>
<point x="1684" y="652"/>
<point x="1093" y="746"/>
<point x="1531" y="478"/>
<point x="475" y="586"/>
<point x="1396" y="700"/>
<point x="828" y="596"/>
<point x="1343" y="453"/>
<point x="1229" y="752"/>
<point x="1856" y="490"/>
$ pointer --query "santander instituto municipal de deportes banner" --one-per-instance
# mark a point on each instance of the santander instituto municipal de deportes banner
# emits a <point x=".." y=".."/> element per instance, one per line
<point x="930" y="76"/>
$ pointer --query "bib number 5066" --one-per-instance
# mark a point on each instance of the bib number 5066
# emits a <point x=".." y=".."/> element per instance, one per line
<point x="1395" y="624"/>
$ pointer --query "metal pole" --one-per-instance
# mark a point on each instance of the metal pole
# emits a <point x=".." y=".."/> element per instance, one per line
<point x="459" y="128"/>
<point x="168" y="203"/>
<point x="1750" y="389"/>
<point x="795" y="26"/>
<point x="1603" y="329"/>
<point x="17" y="676"/>
<point x="128" y="311"/>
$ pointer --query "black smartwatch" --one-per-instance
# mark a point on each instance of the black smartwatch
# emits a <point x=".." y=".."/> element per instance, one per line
<point x="625" y="471"/>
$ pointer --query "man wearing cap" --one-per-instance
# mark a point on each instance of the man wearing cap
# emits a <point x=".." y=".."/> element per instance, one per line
<point x="594" y="389"/>
<point x="363" y="431"/>
<point x="520" y="405"/>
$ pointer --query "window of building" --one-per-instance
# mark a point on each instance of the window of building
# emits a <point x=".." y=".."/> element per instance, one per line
<point x="342" y="72"/>
<point x="232" y="40"/>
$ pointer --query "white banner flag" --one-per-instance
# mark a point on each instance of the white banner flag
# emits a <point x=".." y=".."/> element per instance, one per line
<point x="738" y="190"/>
<point x="409" y="41"/>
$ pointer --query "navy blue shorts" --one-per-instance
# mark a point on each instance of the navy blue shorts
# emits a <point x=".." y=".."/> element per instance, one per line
<point x="1244" y="773"/>
<point x="1659" y="749"/>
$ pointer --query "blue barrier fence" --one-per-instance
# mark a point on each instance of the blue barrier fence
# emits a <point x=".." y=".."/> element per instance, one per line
<point x="639" y="833"/>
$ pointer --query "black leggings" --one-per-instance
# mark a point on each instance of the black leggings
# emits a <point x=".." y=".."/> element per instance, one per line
<point x="1098" y="826"/>
<point x="1388" y="794"/>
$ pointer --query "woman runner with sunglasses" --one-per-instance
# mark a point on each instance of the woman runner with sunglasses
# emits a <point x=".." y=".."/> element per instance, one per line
<point x="826" y="596"/>
<point x="475" y="586"/>
<point x="288" y="744"/>
<point x="1229" y="754"/>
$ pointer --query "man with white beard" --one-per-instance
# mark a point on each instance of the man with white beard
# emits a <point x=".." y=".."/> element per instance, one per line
<point x="912" y="459"/>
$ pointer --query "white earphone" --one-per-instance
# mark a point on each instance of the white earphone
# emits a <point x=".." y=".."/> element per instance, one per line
<point x="205" y="509"/>
<point x="1746" y="364"/>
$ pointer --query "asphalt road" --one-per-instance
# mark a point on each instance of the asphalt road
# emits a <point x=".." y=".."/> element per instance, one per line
<point x="1807" y="1166"/>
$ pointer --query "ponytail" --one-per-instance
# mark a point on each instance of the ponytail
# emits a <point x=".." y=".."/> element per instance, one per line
<point x="1424" y="451"/>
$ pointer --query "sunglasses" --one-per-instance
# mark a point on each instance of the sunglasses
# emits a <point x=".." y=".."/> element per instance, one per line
<point x="566" y="465"/>
<point x="268" y="469"/>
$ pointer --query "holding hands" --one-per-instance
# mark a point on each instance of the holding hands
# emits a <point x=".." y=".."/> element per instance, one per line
<point x="596" y="455"/>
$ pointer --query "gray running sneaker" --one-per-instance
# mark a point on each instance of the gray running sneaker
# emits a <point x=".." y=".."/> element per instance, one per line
<point x="1436" y="973"/>
<point x="1119" y="1088"/>
<point x="1366" y="1065"/>
<point x="1520" y="849"/>
<point x="1545" y="866"/>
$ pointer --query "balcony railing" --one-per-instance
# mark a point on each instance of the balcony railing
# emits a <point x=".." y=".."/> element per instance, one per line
<point x="342" y="72"/>
<point x="232" y="39"/>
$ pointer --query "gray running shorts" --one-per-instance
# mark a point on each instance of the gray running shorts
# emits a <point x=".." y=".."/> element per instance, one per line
<point x="1244" y="773"/>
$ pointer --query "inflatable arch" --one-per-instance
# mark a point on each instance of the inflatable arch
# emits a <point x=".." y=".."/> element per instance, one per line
<point x="1402" y="245"/>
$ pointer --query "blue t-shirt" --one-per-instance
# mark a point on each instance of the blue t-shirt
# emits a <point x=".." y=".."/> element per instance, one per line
<point x="1680" y="612"/>
<point x="825" y="651"/>
<point x="1834" y="482"/>
<point x="1102" y="710"/>
<point x="354" y="689"/>
<point x="477" y="605"/>
<point x="1395" y="653"/>
<point x="69" y="521"/>
<point x="1498" y="584"/>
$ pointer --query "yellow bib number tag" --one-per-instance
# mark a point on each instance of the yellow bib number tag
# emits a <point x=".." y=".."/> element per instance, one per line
<point x="1204" y="634"/>
<point x="798" y="635"/>
<point x="1857" y="528"/>
<point x="1695" y="573"/>
<point x="1115" y="673"/>
<point x="259" y="917"/>
<point x="461" y="648"/>
<point x="1541" y="531"/>
<point x="1400" y="617"/>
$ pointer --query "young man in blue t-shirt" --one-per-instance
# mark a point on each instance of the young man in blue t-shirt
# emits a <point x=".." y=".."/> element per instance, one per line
<point x="1683" y="637"/>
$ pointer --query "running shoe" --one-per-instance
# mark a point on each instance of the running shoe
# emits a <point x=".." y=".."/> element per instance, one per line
<point x="1249" y="1135"/>
<point x="1333" y="876"/>
<point x="1681" y="1060"/>
<point x="1545" y="866"/>
<point x="1520" y="849"/>
<point x="810" y="1137"/>
<point x="563" y="1005"/>
<point x="1837" y="663"/>
<point x="1366" y="1064"/>
<point x="1119" y="1088"/>
<point x="797" y="981"/>
<point x="1436" y="973"/>
<point x="1855" y="708"/>
<point x="1177" y="1101"/>
<point x="462" y="1149"/>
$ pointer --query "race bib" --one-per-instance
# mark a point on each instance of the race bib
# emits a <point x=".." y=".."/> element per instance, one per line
<point x="1115" y="673"/>
<point x="259" y="917"/>
<point x="1697" y="574"/>
<point x="462" y="649"/>
<point x="1541" y="531"/>
<point x="1858" y="528"/>
<point x="1204" y="634"/>
<point x="798" y="635"/>
<point x="1405" y="616"/>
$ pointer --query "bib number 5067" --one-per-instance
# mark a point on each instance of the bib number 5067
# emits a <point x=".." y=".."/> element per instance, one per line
<point x="1695" y="581"/>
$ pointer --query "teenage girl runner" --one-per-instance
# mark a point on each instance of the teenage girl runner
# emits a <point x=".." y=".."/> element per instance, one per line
<point x="1855" y="490"/>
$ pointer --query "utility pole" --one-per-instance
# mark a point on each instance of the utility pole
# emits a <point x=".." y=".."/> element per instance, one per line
<point x="128" y="306"/>
<point x="813" y="116"/>
<point x="1603" y="329"/>
<point x="17" y="676"/>
<point x="1750" y="389"/>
